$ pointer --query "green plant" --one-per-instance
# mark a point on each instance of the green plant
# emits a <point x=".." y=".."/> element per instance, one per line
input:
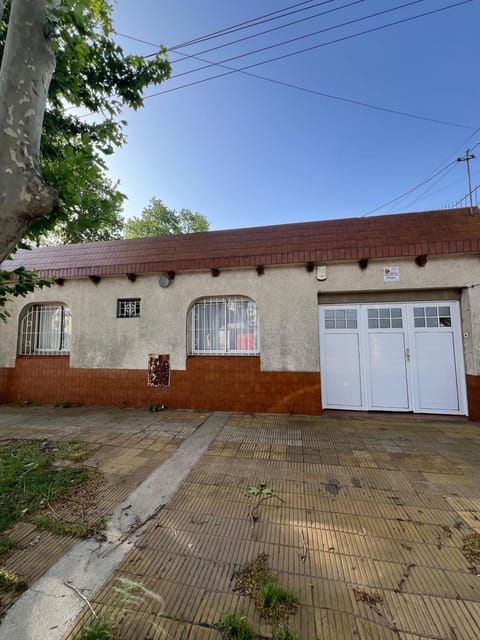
<point x="10" y="582"/>
<point x="259" y="490"/>
<point x="6" y="544"/>
<point x="29" y="477"/>
<point x="234" y="627"/>
<point x="253" y="576"/>
<point x="75" y="529"/>
<point x="99" y="629"/>
<point x="283" y="632"/>
<point x="276" y="603"/>
<point x="471" y="550"/>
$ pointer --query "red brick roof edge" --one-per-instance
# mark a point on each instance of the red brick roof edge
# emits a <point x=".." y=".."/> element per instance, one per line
<point x="447" y="231"/>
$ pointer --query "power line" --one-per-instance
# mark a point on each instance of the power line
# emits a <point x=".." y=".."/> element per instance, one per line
<point x="252" y="22"/>
<point x="296" y="87"/>
<point x="324" y="44"/>
<point x="261" y="33"/>
<point x="297" y="38"/>
<point x="474" y="190"/>
<point x="437" y="171"/>
<point x="407" y="193"/>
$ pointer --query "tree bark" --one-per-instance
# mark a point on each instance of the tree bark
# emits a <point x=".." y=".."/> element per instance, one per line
<point x="27" y="67"/>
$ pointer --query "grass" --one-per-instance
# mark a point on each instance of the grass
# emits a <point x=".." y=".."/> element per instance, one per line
<point x="283" y="632"/>
<point x="275" y="603"/>
<point x="10" y="582"/>
<point x="6" y="543"/>
<point x="75" y="529"/>
<point x="28" y="476"/>
<point x="99" y="629"/>
<point x="256" y="580"/>
<point x="235" y="628"/>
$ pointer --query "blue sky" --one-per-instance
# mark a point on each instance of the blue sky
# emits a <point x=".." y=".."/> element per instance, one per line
<point x="246" y="152"/>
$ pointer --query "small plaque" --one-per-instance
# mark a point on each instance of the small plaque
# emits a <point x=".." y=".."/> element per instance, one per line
<point x="391" y="274"/>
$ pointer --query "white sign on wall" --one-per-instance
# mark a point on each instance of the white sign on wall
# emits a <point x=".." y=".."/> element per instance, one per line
<point x="391" y="274"/>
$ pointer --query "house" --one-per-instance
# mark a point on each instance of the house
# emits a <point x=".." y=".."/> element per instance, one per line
<point x="378" y="314"/>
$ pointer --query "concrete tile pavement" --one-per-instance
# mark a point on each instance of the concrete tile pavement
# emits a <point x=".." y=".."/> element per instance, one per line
<point x="365" y="525"/>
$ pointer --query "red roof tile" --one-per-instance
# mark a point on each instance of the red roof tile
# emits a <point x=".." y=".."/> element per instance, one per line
<point x="393" y="236"/>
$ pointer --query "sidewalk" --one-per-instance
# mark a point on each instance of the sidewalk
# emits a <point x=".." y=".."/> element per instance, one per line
<point x="365" y="525"/>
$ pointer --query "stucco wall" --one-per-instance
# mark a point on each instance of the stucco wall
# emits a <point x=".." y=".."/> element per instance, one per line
<point x="286" y="299"/>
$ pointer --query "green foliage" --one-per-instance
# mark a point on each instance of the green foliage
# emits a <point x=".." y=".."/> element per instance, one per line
<point x="75" y="529"/>
<point x="100" y="629"/>
<point x="10" y="582"/>
<point x="93" y="75"/>
<point x="28" y="478"/>
<point x="159" y="220"/>
<point x="18" y="283"/>
<point x="261" y="489"/>
<point x="276" y="603"/>
<point x="283" y="632"/>
<point x="6" y="544"/>
<point x="236" y="628"/>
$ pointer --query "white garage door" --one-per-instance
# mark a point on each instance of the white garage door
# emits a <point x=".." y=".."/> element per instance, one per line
<point x="393" y="357"/>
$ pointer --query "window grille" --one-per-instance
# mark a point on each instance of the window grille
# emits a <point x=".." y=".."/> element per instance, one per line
<point x="45" y="329"/>
<point x="224" y="326"/>
<point x="128" y="308"/>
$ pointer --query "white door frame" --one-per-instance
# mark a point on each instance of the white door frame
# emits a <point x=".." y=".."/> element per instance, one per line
<point x="362" y="331"/>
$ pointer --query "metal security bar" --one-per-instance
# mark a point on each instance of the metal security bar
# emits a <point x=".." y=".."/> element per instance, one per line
<point x="45" y="329"/>
<point x="224" y="326"/>
<point x="128" y="308"/>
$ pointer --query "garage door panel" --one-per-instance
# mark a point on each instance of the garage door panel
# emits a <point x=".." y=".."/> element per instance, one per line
<point x="388" y="377"/>
<point x="398" y="357"/>
<point x="342" y="386"/>
<point x="436" y="371"/>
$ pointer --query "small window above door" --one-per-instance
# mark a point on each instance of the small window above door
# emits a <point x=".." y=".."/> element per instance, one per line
<point x="434" y="316"/>
<point x="340" y="318"/>
<point x="385" y="318"/>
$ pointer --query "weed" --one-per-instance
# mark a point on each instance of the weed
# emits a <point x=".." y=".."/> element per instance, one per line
<point x="261" y="489"/>
<point x="372" y="599"/>
<point x="28" y="477"/>
<point x="275" y="603"/>
<point x="62" y="528"/>
<point x="6" y="544"/>
<point x="283" y="632"/>
<point x="254" y="576"/>
<point x="99" y="629"/>
<point x="10" y="582"/>
<point x="471" y="551"/>
<point x="235" y="628"/>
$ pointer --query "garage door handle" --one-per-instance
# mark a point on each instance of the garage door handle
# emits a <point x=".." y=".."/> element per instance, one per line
<point x="407" y="355"/>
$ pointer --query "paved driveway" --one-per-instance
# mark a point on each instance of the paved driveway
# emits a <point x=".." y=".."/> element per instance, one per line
<point x="365" y="523"/>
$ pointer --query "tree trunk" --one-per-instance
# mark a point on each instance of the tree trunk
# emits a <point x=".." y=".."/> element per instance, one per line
<point x="27" y="67"/>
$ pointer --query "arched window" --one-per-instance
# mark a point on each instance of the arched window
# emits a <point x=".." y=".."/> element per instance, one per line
<point x="224" y="326"/>
<point x="45" y="329"/>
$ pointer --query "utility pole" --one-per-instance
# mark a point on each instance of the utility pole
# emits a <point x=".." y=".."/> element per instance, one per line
<point x="466" y="158"/>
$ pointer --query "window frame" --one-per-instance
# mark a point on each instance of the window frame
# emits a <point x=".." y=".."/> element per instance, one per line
<point x="136" y="301"/>
<point x="230" y="331"/>
<point x="37" y="329"/>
